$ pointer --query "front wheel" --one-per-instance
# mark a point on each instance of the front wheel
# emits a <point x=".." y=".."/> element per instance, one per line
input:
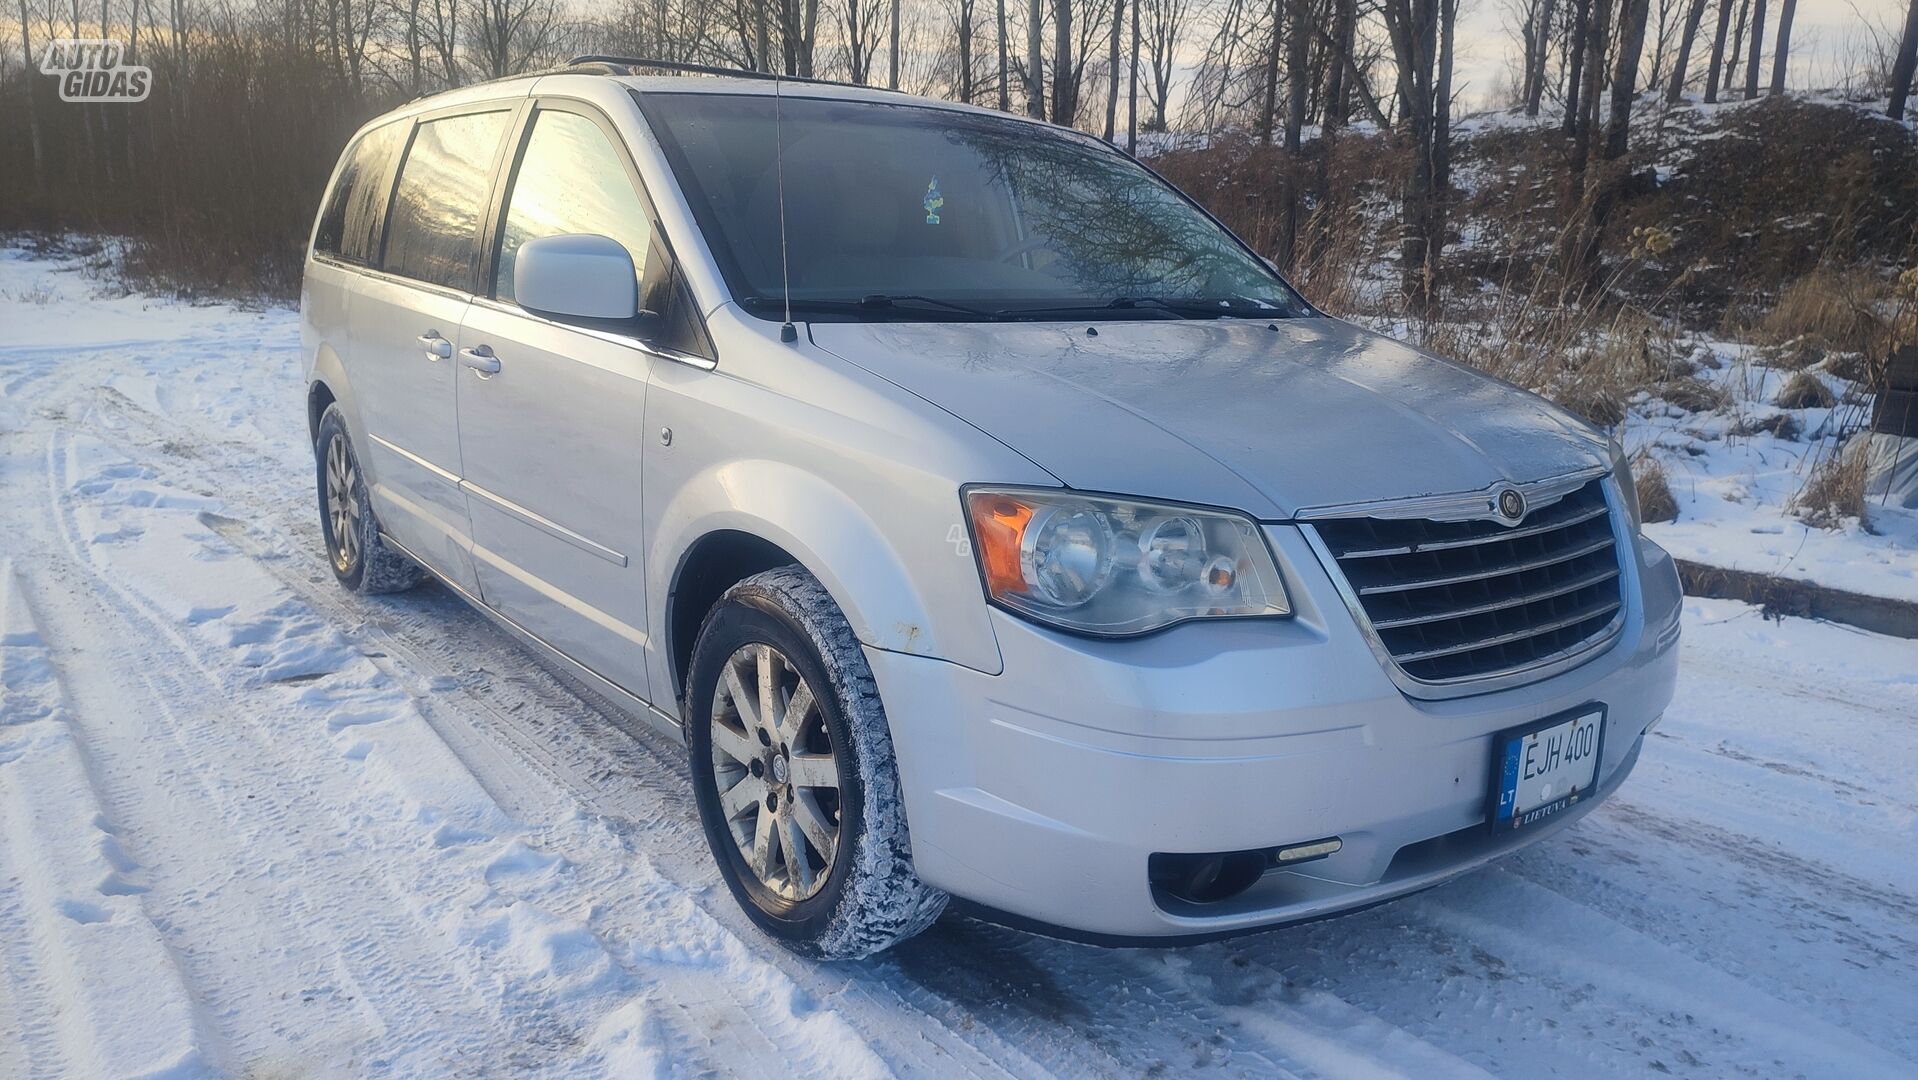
<point x="794" y="773"/>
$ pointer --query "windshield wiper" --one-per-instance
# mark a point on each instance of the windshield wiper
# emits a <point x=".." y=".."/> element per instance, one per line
<point x="892" y="300"/>
<point x="874" y="302"/>
<point x="1177" y="309"/>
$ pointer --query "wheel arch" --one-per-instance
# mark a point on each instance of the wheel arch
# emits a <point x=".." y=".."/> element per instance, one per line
<point x="326" y="385"/>
<point x="730" y="522"/>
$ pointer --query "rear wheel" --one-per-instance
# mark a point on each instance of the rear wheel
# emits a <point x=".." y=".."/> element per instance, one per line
<point x="794" y="773"/>
<point x="361" y="560"/>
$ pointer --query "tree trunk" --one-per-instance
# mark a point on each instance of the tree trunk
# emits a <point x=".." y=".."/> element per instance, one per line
<point x="1413" y="28"/>
<point x="1737" y="49"/>
<point x="1901" y="69"/>
<point x="1631" y="43"/>
<point x="1065" y="91"/>
<point x="965" y="51"/>
<point x="1575" y="68"/>
<point x="1005" y="64"/>
<point x="762" y="35"/>
<point x="1783" y="49"/>
<point x="1692" y="18"/>
<point x="1597" y="29"/>
<point x="1441" y="148"/>
<point x="892" y="55"/>
<point x="1338" y="97"/>
<point x="1132" y="83"/>
<point x="1035" y="84"/>
<point x="1112" y="70"/>
<point x="1297" y="85"/>
<point x="1535" y="79"/>
<point x="1269" y="109"/>
<point x="33" y="111"/>
<point x="1718" y="52"/>
<point x="1757" y="47"/>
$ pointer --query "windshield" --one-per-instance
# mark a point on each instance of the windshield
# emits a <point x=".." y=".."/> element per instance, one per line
<point x="907" y="211"/>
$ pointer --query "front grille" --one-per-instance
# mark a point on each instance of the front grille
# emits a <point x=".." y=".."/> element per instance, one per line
<point x="1467" y="599"/>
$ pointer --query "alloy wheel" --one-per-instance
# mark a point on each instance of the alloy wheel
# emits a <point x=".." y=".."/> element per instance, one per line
<point x="342" y="509"/>
<point x="776" y="772"/>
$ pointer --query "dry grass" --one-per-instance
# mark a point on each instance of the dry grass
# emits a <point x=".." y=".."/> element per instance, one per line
<point x="1655" y="500"/>
<point x="1693" y="395"/>
<point x="1805" y="391"/>
<point x="1830" y="310"/>
<point x="1834" y="493"/>
<point x="1781" y="425"/>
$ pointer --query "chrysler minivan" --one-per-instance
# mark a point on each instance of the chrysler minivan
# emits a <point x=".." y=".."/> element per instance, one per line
<point x="986" y="519"/>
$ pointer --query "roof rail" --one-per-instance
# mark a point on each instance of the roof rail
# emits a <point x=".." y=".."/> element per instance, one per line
<point x="630" y="62"/>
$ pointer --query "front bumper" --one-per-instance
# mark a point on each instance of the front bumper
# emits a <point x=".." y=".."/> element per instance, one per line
<point x="1044" y="790"/>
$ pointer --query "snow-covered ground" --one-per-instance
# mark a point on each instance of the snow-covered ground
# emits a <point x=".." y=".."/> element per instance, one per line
<point x="251" y="825"/>
<point x="1734" y="475"/>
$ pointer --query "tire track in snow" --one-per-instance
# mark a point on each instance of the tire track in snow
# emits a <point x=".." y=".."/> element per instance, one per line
<point x="80" y="946"/>
<point x="827" y="1050"/>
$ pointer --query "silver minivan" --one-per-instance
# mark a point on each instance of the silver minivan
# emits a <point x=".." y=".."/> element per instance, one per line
<point x="985" y="518"/>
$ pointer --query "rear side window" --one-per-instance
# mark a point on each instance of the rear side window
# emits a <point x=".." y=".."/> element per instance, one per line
<point x="571" y="180"/>
<point x="350" y="226"/>
<point x="441" y="199"/>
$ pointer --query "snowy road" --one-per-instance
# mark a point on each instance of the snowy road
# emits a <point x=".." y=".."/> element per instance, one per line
<point x="251" y="825"/>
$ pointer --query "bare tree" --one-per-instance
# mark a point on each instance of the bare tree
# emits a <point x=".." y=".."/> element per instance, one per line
<point x="1166" y="25"/>
<point x="1005" y="73"/>
<point x="965" y="85"/>
<point x="1782" y="50"/>
<point x="892" y="54"/>
<point x="1065" y="84"/>
<point x="1718" y="51"/>
<point x="1132" y="83"/>
<point x="1035" y="78"/>
<point x="1580" y="33"/>
<point x="1112" y="69"/>
<point x="1902" y="68"/>
<point x="861" y="28"/>
<point x="1693" y="17"/>
<point x="1757" y="49"/>
<point x="1414" y="27"/>
<point x="1338" y="93"/>
<point x="509" y="35"/>
<point x="33" y="111"/>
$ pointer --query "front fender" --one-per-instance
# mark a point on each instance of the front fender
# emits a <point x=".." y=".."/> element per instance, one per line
<point x="833" y="536"/>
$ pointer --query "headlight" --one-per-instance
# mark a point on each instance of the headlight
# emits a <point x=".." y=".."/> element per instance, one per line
<point x="1627" y="486"/>
<point x="1117" y="567"/>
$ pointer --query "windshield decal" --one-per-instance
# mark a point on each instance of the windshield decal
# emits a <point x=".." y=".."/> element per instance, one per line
<point x="934" y="200"/>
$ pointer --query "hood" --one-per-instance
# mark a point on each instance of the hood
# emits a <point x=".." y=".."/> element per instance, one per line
<point x="1268" y="419"/>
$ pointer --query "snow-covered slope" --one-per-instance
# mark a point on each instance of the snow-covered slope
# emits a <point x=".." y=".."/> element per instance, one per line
<point x="251" y="825"/>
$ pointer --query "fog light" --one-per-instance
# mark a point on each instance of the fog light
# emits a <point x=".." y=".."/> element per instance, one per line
<point x="1317" y="849"/>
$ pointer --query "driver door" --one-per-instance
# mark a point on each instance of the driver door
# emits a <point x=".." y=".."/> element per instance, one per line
<point x="551" y="415"/>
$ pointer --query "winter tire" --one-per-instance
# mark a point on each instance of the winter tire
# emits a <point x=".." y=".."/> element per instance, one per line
<point x="1896" y="413"/>
<point x="793" y="771"/>
<point x="360" y="559"/>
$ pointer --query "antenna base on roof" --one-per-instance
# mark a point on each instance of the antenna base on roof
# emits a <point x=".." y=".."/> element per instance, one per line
<point x="788" y="334"/>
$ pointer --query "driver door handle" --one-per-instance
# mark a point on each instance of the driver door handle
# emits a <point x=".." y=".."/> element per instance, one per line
<point x="437" y="348"/>
<point x="481" y="359"/>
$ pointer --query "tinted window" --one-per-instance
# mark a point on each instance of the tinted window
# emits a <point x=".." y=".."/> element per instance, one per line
<point x="571" y="180"/>
<point x="350" y="227"/>
<point x="441" y="199"/>
<point x="986" y="212"/>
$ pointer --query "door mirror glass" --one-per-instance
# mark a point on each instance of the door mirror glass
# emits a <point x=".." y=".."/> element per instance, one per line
<point x="576" y="276"/>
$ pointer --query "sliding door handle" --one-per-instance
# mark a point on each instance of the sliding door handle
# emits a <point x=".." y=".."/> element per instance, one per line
<point x="481" y="359"/>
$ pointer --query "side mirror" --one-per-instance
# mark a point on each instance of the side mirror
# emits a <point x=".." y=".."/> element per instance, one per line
<point x="576" y="276"/>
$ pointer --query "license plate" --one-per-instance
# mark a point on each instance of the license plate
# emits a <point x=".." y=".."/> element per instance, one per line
<point x="1545" y="768"/>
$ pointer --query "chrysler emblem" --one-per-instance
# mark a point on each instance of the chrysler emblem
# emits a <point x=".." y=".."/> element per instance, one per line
<point x="1510" y="504"/>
